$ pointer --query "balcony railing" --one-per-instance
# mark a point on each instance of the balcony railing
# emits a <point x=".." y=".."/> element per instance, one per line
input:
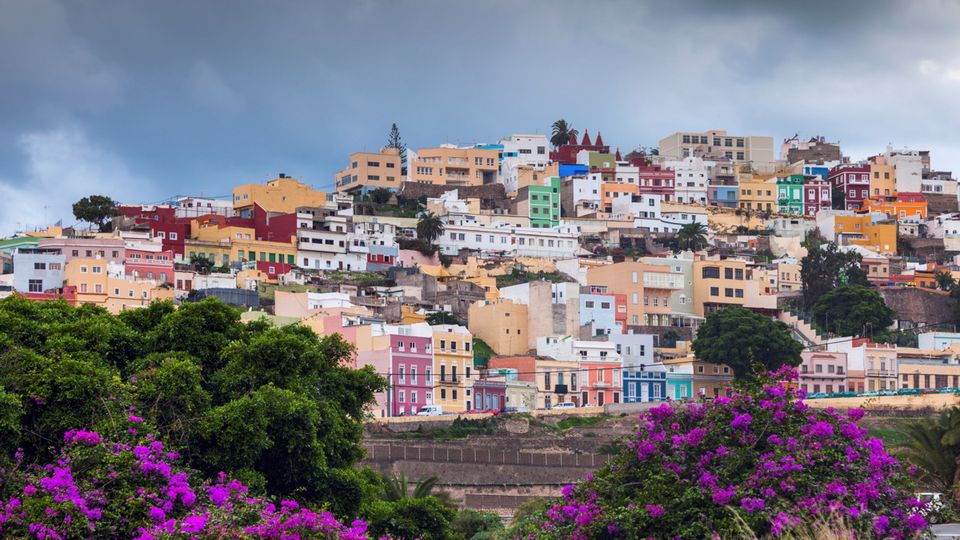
<point x="880" y="373"/>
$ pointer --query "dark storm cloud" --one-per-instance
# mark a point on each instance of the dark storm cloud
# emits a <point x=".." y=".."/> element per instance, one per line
<point x="143" y="100"/>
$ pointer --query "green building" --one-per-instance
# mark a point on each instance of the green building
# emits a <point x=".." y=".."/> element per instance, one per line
<point x="790" y="194"/>
<point x="544" y="203"/>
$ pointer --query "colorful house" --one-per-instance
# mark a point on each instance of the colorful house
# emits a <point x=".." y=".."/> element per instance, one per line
<point x="790" y="194"/>
<point x="544" y="203"/>
<point x="906" y="207"/>
<point x="452" y="367"/>
<point x="411" y="364"/>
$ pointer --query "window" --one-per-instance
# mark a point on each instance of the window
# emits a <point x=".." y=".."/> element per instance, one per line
<point x="634" y="277"/>
<point x="413" y="374"/>
<point x="413" y="397"/>
<point x="400" y="396"/>
<point x="711" y="272"/>
<point x="35" y="285"/>
<point x="401" y="377"/>
<point x="714" y="291"/>
<point x="96" y="269"/>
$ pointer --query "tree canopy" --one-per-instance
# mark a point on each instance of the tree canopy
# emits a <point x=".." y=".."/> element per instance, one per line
<point x="394" y="141"/>
<point x="561" y="132"/>
<point x="430" y="227"/>
<point x="741" y="339"/>
<point x="277" y="407"/>
<point x="825" y="267"/>
<point x="853" y="310"/>
<point x="96" y="209"/>
<point x="692" y="236"/>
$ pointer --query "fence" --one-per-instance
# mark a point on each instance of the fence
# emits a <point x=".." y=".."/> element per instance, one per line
<point x="486" y="456"/>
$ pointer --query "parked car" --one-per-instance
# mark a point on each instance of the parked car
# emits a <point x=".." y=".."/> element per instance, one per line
<point x="818" y="395"/>
<point x="511" y="410"/>
<point x="908" y="391"/>
<point x="933" y="505"/>
<point x="565" y="405"/>
<point x="430" y="410"/>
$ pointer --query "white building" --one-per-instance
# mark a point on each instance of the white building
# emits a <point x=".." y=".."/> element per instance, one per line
<point x="192" y="207"/>
<point x="569" y="349"/>
<point x="692" y="175"/>
<point x="325" y="241"/>
<point x="909" y="168"/>
<point x="581" y="194"/>
<point x="503" y="239"/>
<point x="522" y="150"/>
<point x="937" y="341"/>
<point x="636" y="350"/>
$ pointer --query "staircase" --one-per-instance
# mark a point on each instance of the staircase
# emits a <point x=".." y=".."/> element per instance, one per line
<point x="801" y="329"/>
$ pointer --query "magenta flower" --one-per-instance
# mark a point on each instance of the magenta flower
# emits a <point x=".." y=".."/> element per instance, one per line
<point x="655" y="510"/>
<point x="741" y="420"/>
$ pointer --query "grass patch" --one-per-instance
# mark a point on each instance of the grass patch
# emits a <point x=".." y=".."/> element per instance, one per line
<point x="581" y="421"/>
<point x="893" y="437"/>
<point x="267" y="291"/>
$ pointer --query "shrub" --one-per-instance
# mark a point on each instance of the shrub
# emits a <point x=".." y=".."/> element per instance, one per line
<point x="104" y="489"/>
<point x="759" y="459"/>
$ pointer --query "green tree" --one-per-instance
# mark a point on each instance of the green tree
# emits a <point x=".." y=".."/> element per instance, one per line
<point x="442" y="317"/>
<point x="97" y="210"/>
<point x="429" y="227"/>
<point x="692" y="236"/>
<point x="945" y="281"/>
<point x="825" y="267"/>
<point x="201" y="263"/>
<point x="394" y="141"/>
<point x="380" y="195"/>
<point x="933" y="446"/>
<point x="853" y="310"/>
<point x="742" y="339"/>
<point x="474" y="525"/>
<point x="561" y="132"/>
<point x="397" y="487"/>
<point x="411" y="519"/>
<point x="838" y="199"/>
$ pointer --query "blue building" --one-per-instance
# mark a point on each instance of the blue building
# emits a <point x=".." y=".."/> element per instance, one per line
<point x="643" y="379"/>
<point x="727" y="196"/>
<point x="599" y="312"/>
<point x="817" y="170"/>
<point x="573" y="170"/>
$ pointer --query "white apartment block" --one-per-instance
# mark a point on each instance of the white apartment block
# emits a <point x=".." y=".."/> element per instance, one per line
<point x="692" y="175"/>
<point x="326" y="241"/>
<point x="522" y="150"/>
<point x="503" y="239"/>
<point x="717" y="143"/>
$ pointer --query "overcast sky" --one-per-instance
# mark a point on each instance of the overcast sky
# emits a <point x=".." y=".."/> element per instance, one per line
<point x="145" y="100"/>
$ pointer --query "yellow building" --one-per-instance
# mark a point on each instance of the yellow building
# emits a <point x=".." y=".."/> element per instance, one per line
<point x="883" y="179"/>
<point x="529" y="175"/>
<point x="368" y="170"/>
<point x="758" y="194"/>
<point x="225" y="244"/>
<point x="907" y="207"/>
<point x="95" y="285"/>
<point x="719" y="283"/>
<point x="449" y="165"/>
<point x="860" y="230"/>
<point x="501" y="324"/>
<point x="452" y="367"/>
<point x="282" y="195"/>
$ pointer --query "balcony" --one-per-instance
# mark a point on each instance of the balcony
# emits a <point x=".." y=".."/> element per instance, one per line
<point x="450" y="381"/>
<point x="880" y="373"/>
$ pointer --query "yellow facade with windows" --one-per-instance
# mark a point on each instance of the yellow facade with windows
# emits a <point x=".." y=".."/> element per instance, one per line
<point x="453" y="372"/>
<point x="116" y="294"/>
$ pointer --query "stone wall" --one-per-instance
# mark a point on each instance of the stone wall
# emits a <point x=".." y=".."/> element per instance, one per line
<point x="919" y="306"/>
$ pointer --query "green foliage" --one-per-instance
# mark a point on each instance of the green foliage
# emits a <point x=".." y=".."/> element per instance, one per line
<point x="560" y="133"/>
<point x="945" y="281"/>
<point x="473" y="525"/>
<point x="741" y="338"/>
<point x="692" y="236"/>
<point x="429" y="227"/>
<point x="201" y="263"/>
<point x="442" y="317"/>
<point x="275" y="407"/>
<point x="933" y="446"/>
<point x="96" y="209"/>
<point x="380" y="195"/>
<point x="825" y="268"/>
<point x="581" y="421"/>
<point x="853" y="310"/>
<point x="837" y="199"/>
<point x="394" y="141"/>
<point x="411" y="519"/>
<point x="519" y="275"/>
<point x="481" y="353"/>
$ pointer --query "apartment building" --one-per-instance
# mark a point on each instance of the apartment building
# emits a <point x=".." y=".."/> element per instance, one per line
<point x="854" y="181"/>
<point x="691" y="178"/>
<point x="411" y="360"/>
<point x="150" y="264"/>
<point x="453" y="374"/>
<point x="525" y="161"/>
<point x="871" y="231"/>
<point x="883" y="178"/>
<point x="102" y="283"/>
<point x="927" y="369"/>
<point x="758" y="194"/>
<point x="648" y="290"/>
<point x="906" y="207"/>
<point x="541" y="203"/>
<point x="823" y="372"/>
<point x="282" y="195"/>
<point x="449" y="165"/>
<point x="326" y="241"/>
<point x="465" y="232"/>
<point x="371" y="170"/>
<point x="501" y="324"/>
<point x="38" y="269"/>
<point x="580" y="195"/>
<point x="871" y="367"/>
<point x="717" y="144"/>
<point x="720" y="283"/>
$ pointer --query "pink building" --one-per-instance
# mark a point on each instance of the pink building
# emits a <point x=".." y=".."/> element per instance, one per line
<point x="854" y="181"/>
<point x="110" y="249"/>
<point x="816" y="195"/>
<point x="489" y="395"/>
<point x="823" y="372"/>
<point x="142" y="264"/>
<point x="603" y="384"/>
<point x="656" y="180"/>
<point x="411" y="359"/>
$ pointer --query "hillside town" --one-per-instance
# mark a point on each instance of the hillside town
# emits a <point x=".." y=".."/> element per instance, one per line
<point x="541" y="272"/>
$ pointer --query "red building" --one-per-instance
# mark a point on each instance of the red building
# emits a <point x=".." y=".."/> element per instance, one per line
<point x="567" y="154"/>
<point x="854" y="181"/>
<point x="273" y="226"/>
<point x="411" y="358"/>
<point x="489" y="395"/>
<point x="655" y="180"/>
<point x="817" y="195"/>
<point x="273" y="270"/>
<point x="142" y="264"/>
<point x="163" y="222"/>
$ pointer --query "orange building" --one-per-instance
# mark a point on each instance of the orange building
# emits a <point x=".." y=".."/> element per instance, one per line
<point x="907" y="206"/>
<point x="452" y="166"/>
<point x="611" y="190"/>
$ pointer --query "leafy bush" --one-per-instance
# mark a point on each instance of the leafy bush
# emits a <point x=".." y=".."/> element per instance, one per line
<point x="111" y="489"/>
<point x="760" y="459"/>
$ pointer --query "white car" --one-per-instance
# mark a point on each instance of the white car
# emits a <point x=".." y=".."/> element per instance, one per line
<point x="565" y="405"/>
<point x="430" y="410"/>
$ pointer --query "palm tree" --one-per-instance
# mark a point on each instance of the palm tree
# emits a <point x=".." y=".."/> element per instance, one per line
<point x="692" y="236"/>
<point x="561" y="133"/>
<point x="397" y="487"/>
<point x="945" y="281"/>
<point x="933" y="447"/>
<point x="430" y="227"/>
